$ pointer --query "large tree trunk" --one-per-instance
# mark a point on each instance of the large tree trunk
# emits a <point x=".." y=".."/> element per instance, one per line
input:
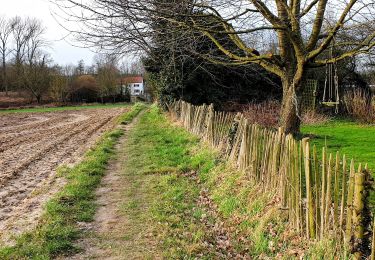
<point x="289" y="115"/>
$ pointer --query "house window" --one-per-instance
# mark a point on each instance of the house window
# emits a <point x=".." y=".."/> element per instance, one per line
<point x="136" y="85"/>
<point x="136" y="90"/>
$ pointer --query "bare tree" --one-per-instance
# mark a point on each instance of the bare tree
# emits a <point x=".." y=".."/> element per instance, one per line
<point x="36" y="76"/>
<point x="6" y="29"/>
<point x="21" y="35"/>
<point x="107" y="75"/>
<point x="59" y="84"/>
<point x="30" y="59"/>
<point x="35" y="41"/>
<point x="302" y="31"/>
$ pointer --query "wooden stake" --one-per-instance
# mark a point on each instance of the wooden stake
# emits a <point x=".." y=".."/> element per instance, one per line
<point x="336" y="193"/>
<point x="343" y="193"/>
<point x="317" y="180"/>
<point x="358" y="206"/>
<point x="309" y="194"/>
<point x="323" y="196"/>
<point x="328" y="194"/>
<point x="349" y="210"/>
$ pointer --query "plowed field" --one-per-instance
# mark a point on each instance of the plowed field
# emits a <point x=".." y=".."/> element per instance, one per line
<point x="32" y="146"/>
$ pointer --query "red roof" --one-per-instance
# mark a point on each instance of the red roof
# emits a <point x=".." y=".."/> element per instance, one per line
<point x="132" y="79"/>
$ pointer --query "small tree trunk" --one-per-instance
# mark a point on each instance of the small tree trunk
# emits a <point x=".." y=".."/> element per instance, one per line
<point x="38" y="99"/>
<point x="289" y="120"/>
<point x="5" y="82"/>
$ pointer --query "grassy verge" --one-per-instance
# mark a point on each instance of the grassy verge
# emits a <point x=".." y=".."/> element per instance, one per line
<point x="57" y="230"/>
<point x="128" y="117"/>
<point x="158" y="154"/>
<point x="63" y="108"/>
<point x="199" y="206"/>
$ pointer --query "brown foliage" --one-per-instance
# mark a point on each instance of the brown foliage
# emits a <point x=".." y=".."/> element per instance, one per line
<point x="312" y="117"/>
<point x="85" y="82"/>
<point x="265" y="114"/>
<point x="360" y="105"/>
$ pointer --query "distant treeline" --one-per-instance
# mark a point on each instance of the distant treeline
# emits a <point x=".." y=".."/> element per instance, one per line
<point x="27" y="68"/>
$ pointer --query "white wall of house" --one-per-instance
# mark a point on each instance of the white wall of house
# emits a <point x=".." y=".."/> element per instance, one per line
<point x="136" y="89"/>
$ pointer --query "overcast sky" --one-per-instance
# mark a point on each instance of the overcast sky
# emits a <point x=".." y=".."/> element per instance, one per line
<point x="61" y="50"/>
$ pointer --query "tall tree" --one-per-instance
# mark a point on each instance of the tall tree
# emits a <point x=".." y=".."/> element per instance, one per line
<point x="80" y="69"/>
<point x="59" y="84"/>
<point x="22" y="31"/>
<point x="107" y="75"/>
<point x="33" y="62"/>
<point x="303" y="30"/>
<point x="6" y="29"/>
<point x="176" y="70"/>
<point x="37" y="76"/>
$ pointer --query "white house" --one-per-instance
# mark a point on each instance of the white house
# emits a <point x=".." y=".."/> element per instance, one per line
<point x="135" y="84"/>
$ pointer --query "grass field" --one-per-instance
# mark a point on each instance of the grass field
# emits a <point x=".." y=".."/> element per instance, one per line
<point x="63" y="108"/>
<point x="350" y="138"/>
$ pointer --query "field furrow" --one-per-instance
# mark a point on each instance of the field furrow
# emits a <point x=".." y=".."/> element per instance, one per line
<point x="30" y="153"/>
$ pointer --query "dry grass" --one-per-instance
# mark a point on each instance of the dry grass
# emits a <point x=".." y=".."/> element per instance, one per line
<point x="13" y="99"/>
<point x="265" y="114"/>
<point x="312" y="117"/>
<point x="360" y="104"/>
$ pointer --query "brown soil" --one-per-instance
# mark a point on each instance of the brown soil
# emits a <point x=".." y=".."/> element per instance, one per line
<point x="32" y="146"/>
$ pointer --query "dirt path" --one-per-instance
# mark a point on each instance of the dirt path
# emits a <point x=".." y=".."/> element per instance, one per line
<point x="32" y="146"/>
<point x="118" y="231"/>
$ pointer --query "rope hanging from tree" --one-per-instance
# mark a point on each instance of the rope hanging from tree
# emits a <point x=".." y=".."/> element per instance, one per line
<point x="331" y="86"/>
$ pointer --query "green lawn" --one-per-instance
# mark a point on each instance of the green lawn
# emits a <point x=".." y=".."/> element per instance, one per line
<point x="52" y="109"/>
<point x="352" y="139"/>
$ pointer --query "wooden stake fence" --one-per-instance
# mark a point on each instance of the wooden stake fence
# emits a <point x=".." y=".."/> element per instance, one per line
<point x="323" y="198"/>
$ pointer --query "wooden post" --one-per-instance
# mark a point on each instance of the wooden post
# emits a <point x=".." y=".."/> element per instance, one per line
<point x="300" y="162"/>
<point x="323" y="193"/>
<point x="373" y="241"/>
<point x="310" y="213"/>
<point x="343" y="193"/>
<point x="317" y="180"/>
<point x="358" y="206"/>
<point x="336" y="194"/>
<point x="349" y="203"/>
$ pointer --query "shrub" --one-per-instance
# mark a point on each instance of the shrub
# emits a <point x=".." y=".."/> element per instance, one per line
<point x="265" y="113"/>
<point x="312" y="117"/>
<point x="360" y="104"/>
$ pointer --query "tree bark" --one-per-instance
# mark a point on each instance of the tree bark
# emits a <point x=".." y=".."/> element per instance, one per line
<point x="289" y="119"/>
<point x="5" y="83"/>
<point x="38" y="98"/>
